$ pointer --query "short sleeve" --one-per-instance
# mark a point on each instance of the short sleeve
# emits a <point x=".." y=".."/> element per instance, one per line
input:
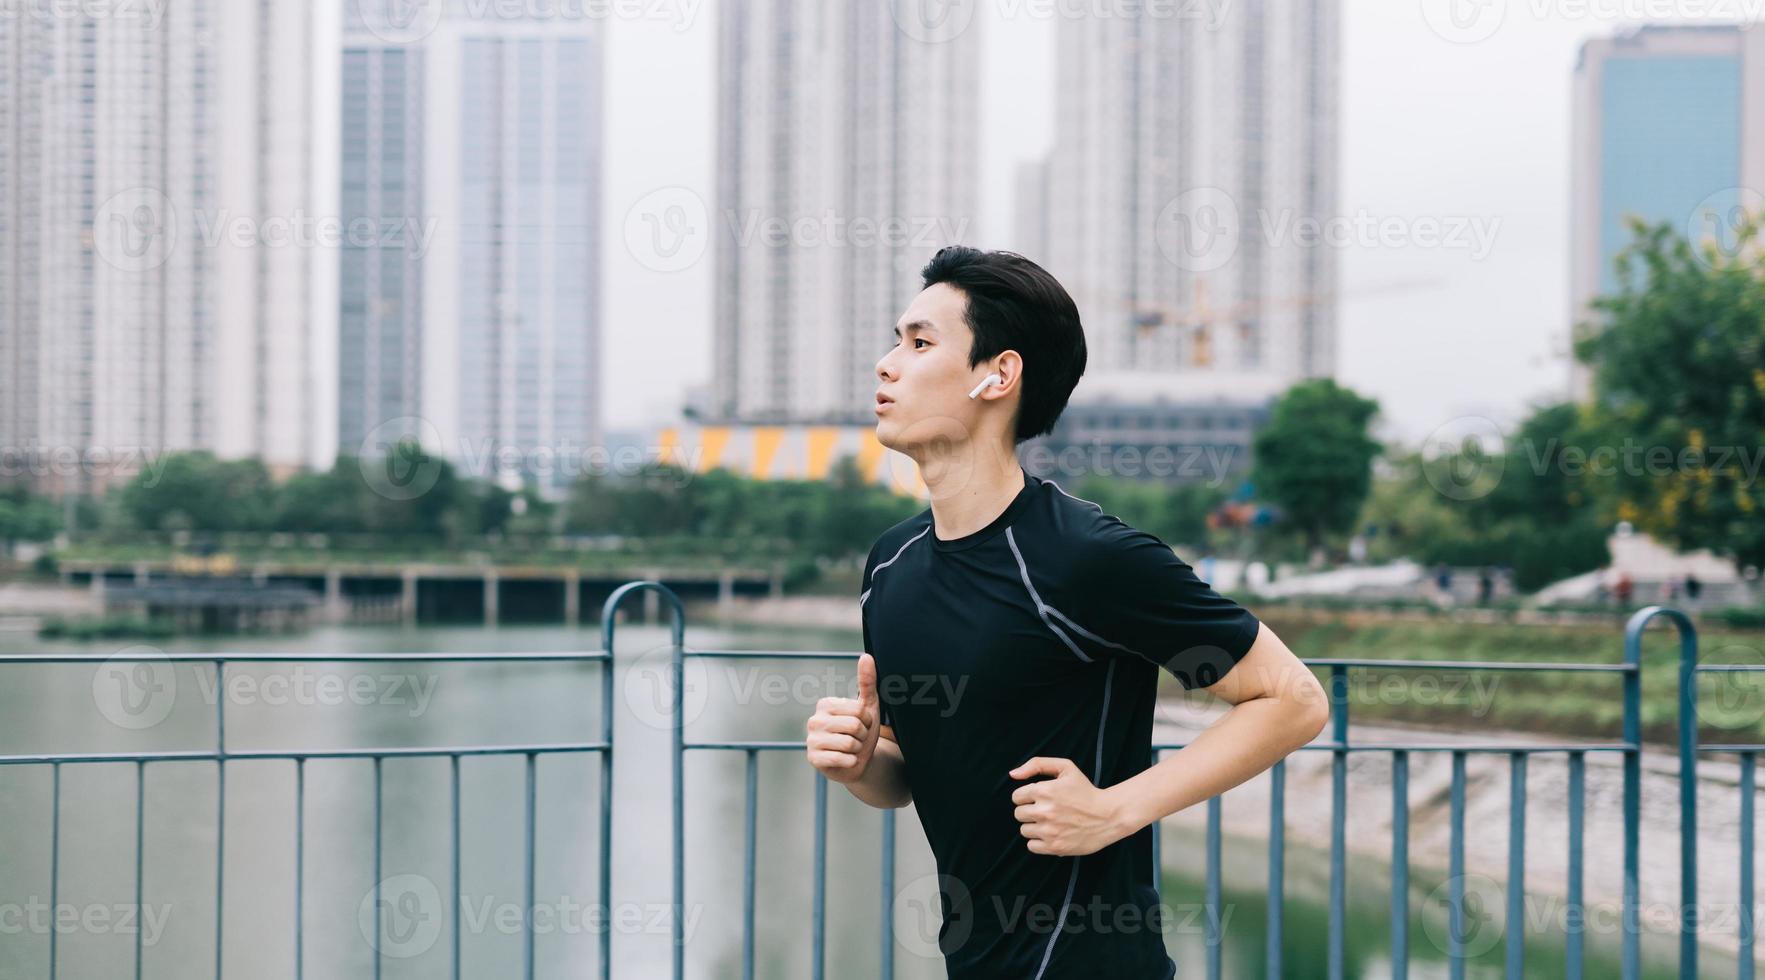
<point x="1141" y="599"/>
<point x="864" y="618"/>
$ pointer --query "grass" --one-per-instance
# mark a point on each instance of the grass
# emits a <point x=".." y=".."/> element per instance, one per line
<point x="1731" y="706"/>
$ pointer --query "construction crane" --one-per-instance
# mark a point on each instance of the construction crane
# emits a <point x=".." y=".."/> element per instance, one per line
<point x="1201" y="320"/>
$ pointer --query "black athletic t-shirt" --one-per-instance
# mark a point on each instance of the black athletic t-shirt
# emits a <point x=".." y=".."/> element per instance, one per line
<point x="1041" y="634"/>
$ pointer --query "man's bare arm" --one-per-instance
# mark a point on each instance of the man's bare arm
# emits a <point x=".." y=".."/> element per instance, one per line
<point x="848" y="744"/>
<point x="1277" y="706"/>
<point x="884" y="783"/>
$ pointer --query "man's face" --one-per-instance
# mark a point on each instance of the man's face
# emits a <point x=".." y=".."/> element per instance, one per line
<point x="926" y="374"/>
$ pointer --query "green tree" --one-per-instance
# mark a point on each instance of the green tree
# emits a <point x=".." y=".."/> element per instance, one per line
<point x="1532" y="505"/>
<point x="1314" y="458"/>
<point x="1678" y="375"/>
<point x="196" y="491"/>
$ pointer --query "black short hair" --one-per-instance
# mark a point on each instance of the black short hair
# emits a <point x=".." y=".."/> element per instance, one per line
<point x="1014" y="304"/>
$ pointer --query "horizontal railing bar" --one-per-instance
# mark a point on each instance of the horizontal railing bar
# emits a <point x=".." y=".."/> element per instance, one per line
<point x="1743" y="748"/>
<point x="1314" y="746"/>
<point x="1318" y="662"/>
<point x="1727" y="667"/>
<point x="1441" y="747"/>
<point x="774" y="654"/>
<point x="387" y="753"/>
<point x="1467" y="665"/>
<point x="187" y="657"/>
<point x="742" y="746"/>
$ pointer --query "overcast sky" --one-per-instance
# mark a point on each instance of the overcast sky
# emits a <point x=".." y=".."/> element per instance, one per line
<point x="1457" y="125"/>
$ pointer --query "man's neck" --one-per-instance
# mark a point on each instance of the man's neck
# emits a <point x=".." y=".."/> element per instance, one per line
<point x="965" y="499"/>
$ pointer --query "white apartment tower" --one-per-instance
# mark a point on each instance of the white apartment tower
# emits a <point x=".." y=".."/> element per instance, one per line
<point x="857" y="137"/>
<point x="1188" y="150"/>
<point x="161" y="171"/>
<point x="511" y="280"/>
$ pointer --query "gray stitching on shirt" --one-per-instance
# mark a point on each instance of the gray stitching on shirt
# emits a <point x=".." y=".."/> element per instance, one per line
<point x="1087" y="634"/>
<point x="1041" y="609"/>
<point x="891" y="561"/>
<point x="1096" y="774"/>
<point x="1079" y="499"/>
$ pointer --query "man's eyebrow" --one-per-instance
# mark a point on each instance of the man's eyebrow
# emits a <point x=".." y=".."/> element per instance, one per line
<point x="923" y="325"/>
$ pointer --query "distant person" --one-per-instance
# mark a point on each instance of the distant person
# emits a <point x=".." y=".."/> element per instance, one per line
<point x="1485" y="586"/>
<point x="1622" y="590"/>
<point x="1693" y="589"/>
<point x="1014" y="638"/>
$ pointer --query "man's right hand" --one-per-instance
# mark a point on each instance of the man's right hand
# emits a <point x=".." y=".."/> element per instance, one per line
<point x="843" y="731"/>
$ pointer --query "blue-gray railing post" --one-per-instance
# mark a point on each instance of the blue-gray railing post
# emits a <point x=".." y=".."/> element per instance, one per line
<point x="1338" y="816"/>
<point x="675" y="679"/>
<point x="1688" y="770"/>
<point x="221" y="754"/>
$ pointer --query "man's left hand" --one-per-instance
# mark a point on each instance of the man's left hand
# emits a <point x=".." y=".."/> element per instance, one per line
<point x="1065" y="815"/>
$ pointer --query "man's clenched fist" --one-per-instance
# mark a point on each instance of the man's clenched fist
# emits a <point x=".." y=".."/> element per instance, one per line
<point x="843" y="731"/>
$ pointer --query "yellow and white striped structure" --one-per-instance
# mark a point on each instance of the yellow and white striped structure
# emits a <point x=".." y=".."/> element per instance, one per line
<point x="789" y="452"/>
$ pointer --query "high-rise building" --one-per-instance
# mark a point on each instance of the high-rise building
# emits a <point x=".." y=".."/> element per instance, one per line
<point x="165" y="165"/>
<point x="380" y="274"/>
<point x="1189" y="153"/>
<point x="511" y="281"/>
<point x="1668" y="126"/>
<point x="1029" y="221"/>
<point x="846" y="156"/>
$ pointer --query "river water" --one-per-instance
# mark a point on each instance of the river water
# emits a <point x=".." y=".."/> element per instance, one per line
<point x="333" y="705"/>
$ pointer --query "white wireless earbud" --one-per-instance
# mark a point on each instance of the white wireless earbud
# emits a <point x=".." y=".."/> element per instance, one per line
<point x="991" y="379"/>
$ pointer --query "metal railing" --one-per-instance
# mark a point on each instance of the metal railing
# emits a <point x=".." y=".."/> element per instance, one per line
<point x="220" y="755"/>
<point x="1629" y="747"/>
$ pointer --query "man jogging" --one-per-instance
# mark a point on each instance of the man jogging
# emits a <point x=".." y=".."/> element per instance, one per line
<point x="1013" y="637"/>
